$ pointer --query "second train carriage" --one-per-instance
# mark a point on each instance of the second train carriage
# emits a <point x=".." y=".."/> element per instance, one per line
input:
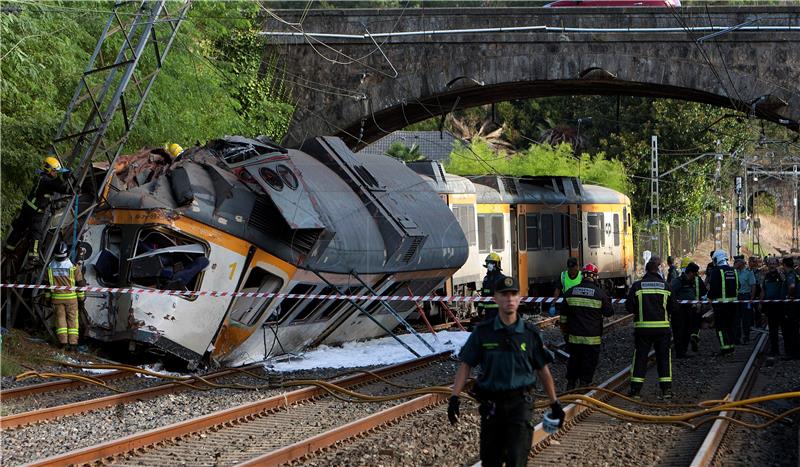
<point x="535" y="224"/>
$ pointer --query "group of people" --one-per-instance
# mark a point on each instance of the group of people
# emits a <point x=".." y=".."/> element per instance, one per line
<point x="511" y="355"/>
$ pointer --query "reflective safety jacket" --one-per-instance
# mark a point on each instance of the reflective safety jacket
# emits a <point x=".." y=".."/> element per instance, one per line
<point x="584" y="308"/>
<point x="64" y="273"/>
<point x="487" y="290"/>
<point x="685" y="289"/>
<point x="568" y="282"/>
<point x="723" y="283"/>
<point x="651" y="303"/>
<point x="41" y="195"/>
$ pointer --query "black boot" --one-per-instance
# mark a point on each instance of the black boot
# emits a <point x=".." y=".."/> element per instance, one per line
<point x="694" y="340"/>
<point x="633" y="392"/>
<point x="666" y="391"/>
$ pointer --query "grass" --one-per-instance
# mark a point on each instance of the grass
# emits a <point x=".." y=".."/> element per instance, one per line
<point x="19" y="352"/>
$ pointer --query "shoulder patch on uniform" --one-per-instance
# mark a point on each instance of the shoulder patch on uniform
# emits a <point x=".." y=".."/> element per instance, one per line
<point x="523" y="346"/>
<point x="653" y="285"/>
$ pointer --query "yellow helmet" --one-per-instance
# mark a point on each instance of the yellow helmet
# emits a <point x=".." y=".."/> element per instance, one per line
<point x="51" y="166"/>
<point x="174" y="149"/>
<point x="493" y="257"/>
<point x="685" y="262"/>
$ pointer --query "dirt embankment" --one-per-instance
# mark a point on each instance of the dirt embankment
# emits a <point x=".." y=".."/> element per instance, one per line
<point x="775" y="237"/>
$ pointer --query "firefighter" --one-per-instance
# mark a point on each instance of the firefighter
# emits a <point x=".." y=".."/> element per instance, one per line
<point x="569" y="279"/>
<point x="651" y="303"/>
<point x="723" y="286"/>
<point x="52" y="181"/>
<point x="511" y="356"/>
<point x="687" y="317"/>
<point x="488" y="310"/>
<point x="584" y="308"/>
<point x="65" y="303"/>
<point x="790" y="333"/>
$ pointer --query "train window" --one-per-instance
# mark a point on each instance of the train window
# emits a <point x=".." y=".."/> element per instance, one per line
<point x="558" y="231"/>
<point x="547" y="230"/>
<point x="532" y="231"/>
<point x="465" y="214"/>
<point x="498" y="233"/>
<point x="248" y="310"/>
<point x="594" y="228"/>
<point x="523" y="244"/>
<point x="167" y="260"/>
<point x="339" y="304"/>
<point x="625" y="220"/>
<point x="288" y="305"/>
<point x="574" y="233"/>
<point x="483" y="234"/>
<point x="616" y="229"/>
<point x="107" y="265"/>
<point x="314" y="304"/>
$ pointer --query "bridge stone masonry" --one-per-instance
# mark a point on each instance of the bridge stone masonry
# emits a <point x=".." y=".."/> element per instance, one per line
<point x="364" y="86"/>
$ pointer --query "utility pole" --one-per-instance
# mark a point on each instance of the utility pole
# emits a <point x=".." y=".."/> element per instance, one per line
<point x="795" y="227"/>
<point x="718" y="187"/>
<point x="655" y="208"/>
<point x="738" y="213"/>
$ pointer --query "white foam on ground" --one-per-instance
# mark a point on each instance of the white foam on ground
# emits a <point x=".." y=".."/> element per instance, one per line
<point x="380" y="351"/>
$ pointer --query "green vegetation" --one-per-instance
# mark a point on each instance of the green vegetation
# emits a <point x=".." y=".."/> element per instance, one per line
<point x="212" y="82"/>
<point x="539" y="159"/>
<point x="405" y="153"/>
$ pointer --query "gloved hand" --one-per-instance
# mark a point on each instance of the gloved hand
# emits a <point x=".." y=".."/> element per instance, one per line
<point x="453" y="412"/>
<point x="557" y="412"/>
<point x="552" y="311"/>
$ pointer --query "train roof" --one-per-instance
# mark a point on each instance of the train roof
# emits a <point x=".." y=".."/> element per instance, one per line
<point x="528" y="190"/>
<point x="596" y="194"/>
<point x="440" y="180"/>
<point x="322" y="208"/>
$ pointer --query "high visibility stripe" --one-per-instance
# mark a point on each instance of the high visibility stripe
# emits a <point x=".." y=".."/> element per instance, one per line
<point x="635" y="379"/>
<point x="667" y="379"/>
<point x="651" y="324"/>
<point x="588" y="340"/>
<point x="585" y="302"/>
<point x="639" y="293"/>
<point x="61" y="330"/>
<point x="64" y="296"/>
<point x="73" y="332"/>
<point x="722" y="344"/>
<point x="31" y="204"/>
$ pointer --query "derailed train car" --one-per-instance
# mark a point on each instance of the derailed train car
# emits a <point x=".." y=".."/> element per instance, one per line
<point x="247" y="215"/>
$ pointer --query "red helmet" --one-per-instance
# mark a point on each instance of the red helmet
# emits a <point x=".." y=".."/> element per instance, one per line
<point x="590" y="269"/>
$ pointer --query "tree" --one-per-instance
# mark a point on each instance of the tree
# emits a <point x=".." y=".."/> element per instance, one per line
<point x="404" y="153"/>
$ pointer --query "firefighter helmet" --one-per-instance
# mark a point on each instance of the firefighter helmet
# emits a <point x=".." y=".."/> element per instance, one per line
<point x="61" y="251"/>
<point x="174" y="149"/>
<point x="494" y="257"/>
<point x="590" y="269"/>
<point x="51" y="166"/>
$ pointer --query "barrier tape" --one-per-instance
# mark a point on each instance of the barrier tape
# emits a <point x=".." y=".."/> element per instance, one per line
<point x="390" y="298"/>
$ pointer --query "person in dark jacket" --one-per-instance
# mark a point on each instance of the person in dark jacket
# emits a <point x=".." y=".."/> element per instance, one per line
<point x="772" y="284"/>
<point x="723" y="287"/>
<point x="687" y="317"/>
<point x="651" y="303"/>
<point x="584" y="308"/>
<point x="488" y="310"/>
<point x="672" y="271"/>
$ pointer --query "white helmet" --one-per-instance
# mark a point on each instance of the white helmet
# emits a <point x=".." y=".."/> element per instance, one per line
<point x="720" y="258"/>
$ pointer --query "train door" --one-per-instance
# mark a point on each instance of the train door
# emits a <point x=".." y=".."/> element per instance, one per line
<point x="520" y="247"/>
<point x="575" y="233"/>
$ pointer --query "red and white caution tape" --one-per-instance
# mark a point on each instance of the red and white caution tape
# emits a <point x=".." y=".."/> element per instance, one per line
<point x="389" y="298"/>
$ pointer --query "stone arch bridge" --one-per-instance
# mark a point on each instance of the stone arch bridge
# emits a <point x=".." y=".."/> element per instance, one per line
<point x="358" y="84"/>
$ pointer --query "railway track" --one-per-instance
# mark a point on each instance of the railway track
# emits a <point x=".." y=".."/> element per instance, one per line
<point x="221" y="437"/>
<point x="691" y="447"/>
<point x="53" y="390"/>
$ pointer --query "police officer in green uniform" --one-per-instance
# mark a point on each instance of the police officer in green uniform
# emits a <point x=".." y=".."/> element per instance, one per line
<point x="488" y="310"/>
<point x="510" y="355"/>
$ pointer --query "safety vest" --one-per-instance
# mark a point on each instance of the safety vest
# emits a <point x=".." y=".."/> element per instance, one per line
<point x="725" y="297"/>
<point x="567" y="282"/>
<point x="61" y="273"/>
<point x="655" y="319"/>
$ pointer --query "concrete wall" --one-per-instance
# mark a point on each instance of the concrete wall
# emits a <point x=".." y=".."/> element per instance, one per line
<point x="361" y="91"/>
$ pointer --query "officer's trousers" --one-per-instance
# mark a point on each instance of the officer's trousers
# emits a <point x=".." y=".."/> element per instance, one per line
<point x="582" y="362"/>
<point x="681" y="328"/>
<point x="746" y="312"/>
<point x="724" y="319"/>
<point x="66" y="313"/>
<point x="506" y="430"/>
<point x="658" y="339"/>
<point x="791" y="333"/>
